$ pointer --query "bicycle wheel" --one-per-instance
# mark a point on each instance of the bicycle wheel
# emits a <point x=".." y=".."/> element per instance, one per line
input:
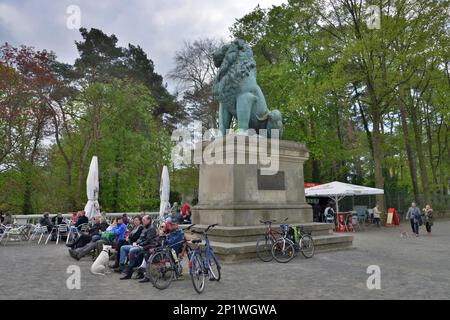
<point x="307" y="246"/>
<point x="197" y="273"/>
<point x="283" y="250"/>
<point x="214" y="267"/>
<point x="160" y="270"/>
<point x="264" y="248"/>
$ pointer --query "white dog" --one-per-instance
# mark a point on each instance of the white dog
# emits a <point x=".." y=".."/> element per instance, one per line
<point x="100" y="264"/>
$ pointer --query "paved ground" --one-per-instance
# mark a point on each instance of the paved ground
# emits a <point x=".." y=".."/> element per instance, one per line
<point x="415" y="267"/>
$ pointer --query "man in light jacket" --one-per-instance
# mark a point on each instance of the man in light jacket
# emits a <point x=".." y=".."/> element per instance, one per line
<point x="414" y="217"/>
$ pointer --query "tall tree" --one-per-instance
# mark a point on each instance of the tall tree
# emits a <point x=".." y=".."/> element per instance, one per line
<point x="194" y="71"/>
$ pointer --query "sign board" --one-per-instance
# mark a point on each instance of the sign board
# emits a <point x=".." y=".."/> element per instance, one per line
<point x="392" y="218"/>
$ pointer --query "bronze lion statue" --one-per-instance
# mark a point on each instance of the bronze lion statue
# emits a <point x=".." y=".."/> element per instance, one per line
<point x="238" y="93"/>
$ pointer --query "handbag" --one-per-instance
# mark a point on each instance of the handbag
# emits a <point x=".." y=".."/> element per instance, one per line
<point x="419" y="219"/>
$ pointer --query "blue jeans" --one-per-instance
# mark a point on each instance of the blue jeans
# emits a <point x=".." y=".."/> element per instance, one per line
<point x="414" y="226"/>
<point x="123" y="253"/>
<point x="132" y="253"/>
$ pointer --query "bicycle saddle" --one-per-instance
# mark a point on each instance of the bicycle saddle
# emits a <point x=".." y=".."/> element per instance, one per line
<point x="284" y="225"/>
<point x="266" y="221"/>
<point x="196" y="241"/>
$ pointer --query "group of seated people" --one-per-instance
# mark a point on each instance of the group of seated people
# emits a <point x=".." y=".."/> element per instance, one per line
<point x="130" y="239"/>
<point x="179" y="214"/>
<point x="59" y="219"/>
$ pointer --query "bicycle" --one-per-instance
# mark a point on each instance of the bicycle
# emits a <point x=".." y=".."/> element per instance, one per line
<point x="199" y="267"/>
<point x="265" y="243"/>
<point x="164" y="265"/>
<point x="286" y="247"/>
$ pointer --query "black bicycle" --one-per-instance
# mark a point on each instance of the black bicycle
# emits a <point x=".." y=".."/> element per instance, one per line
<point x="164" y="265"/>
<point x="293" y="240"/>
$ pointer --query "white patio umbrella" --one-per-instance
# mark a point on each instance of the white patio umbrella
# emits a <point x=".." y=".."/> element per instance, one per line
<point x="164" y="191"/>
<point x="92" y="207"/>
<point x="338" y="190"/>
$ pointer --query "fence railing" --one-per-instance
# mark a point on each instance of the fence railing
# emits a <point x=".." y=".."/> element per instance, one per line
<point x="34" y="218"/>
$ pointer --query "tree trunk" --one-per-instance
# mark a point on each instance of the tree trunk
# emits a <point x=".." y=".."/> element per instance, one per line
<point x="409" y="153"/>
<point x="430" y="153"/>
<point x="420" y="154"/>
<point x="314" y="163"/>
<point x="378" y="156"/>
<point x="69" y="164"/>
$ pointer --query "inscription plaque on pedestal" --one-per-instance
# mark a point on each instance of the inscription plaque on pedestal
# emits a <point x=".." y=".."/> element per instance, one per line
<point x="271" y="182"/>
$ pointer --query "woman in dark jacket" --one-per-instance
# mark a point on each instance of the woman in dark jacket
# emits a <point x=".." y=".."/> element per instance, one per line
<point x="132" y="237"/>
<point x="427" y="218"/>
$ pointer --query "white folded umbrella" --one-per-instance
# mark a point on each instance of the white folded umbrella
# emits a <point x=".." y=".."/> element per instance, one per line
<point x="92" y="207"/>
<point x="164" y="191"/>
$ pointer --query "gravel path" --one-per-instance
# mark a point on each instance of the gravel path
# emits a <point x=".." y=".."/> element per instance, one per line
<point x="418" y="267"/>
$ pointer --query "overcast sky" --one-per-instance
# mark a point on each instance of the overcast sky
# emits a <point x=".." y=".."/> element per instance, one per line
<point x="158" y="26"/>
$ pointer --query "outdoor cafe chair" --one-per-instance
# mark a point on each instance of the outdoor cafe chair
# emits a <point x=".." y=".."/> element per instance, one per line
<point x="43" y="230"/>
<point x="50" y="232"/>
<point x="62" y="230"/>
<point x="4" y="232"/>
<point x="355" y="222"/>
<point x="361" y="215"/>
<point x="345" y="221"/>
<point x="75" y="232"/>
<point x="36" y="230"/>
<point x="370" y="216"/>
<point x="84" y="227"/>
<point x="12" y="233"/>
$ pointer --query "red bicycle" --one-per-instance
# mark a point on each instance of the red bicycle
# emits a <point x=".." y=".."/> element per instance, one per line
<point x="265" y="243"/>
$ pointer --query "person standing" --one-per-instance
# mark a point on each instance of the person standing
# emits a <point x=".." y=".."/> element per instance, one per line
<point x="329" y="212"/>
<point x="376" y="215"/>
<point x="428" y="218"/>
<point x="413" y="215"/>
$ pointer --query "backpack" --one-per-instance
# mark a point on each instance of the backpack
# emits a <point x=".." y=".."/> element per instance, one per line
<point x="108" y="236"/>
<point x="293" y="233"/>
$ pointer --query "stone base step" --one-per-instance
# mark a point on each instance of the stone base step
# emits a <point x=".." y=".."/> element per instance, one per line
<point x="236" y="252"/>
<point x="252" y="233"/>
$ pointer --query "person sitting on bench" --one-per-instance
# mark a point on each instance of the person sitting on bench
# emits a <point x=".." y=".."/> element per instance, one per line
<point x="148" y="237"/>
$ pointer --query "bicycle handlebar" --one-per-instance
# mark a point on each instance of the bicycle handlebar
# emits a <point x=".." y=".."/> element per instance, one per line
<point x="206" y="230"/>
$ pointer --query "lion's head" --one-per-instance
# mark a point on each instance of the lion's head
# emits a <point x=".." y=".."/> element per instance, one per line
<point x="235" y="62"/>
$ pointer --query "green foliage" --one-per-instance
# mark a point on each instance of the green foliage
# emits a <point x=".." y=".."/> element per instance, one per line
<point x="334" y="79"/>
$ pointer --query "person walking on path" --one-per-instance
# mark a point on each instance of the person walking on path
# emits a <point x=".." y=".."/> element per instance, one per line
<point x="428" y="218"/>
<point x="414" y="217"/>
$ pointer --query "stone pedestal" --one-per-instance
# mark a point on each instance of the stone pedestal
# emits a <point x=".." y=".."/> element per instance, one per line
<point x="236" y="192"/>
